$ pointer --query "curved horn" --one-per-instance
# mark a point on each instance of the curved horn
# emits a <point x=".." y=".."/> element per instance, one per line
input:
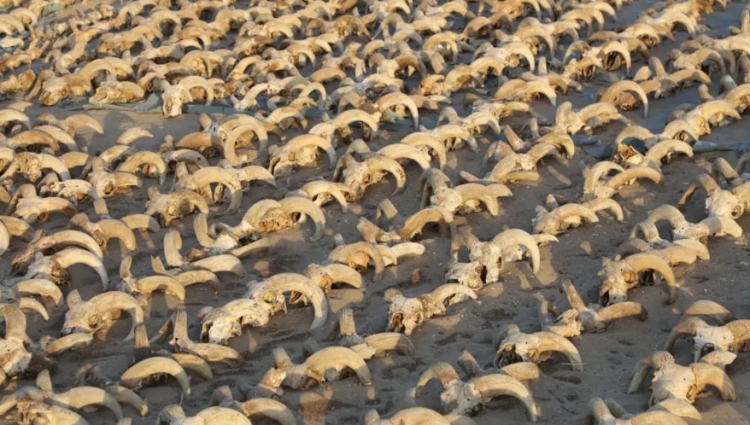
<point x="69" y="342"/>
<point x="704" y="181"/>
<point x="123" y="179"/>
<point x="82" y="397"/>
<point x="633" y="132"/>
<point x="635" y="173"/>
<point x="442" y="371"/>
<point x="722" y="226"/>
<point x="166" y="284"/>
<point x="48" y="161"/>
<point x="31" y="304"/>
<point x="688" y="327"/>
<point x="341" y="254"/>
<point x="390" y="341"/>
<point x="198" y="276"/>
<point x="523" y="371"/>
<point x="622" y="310"/>
<point x="617" y="47"/>
<point x="550" y="341"/>
<point x="660" y="150"/>
<point x="172" y="246"/>
<point x="287" y="282"/>
<point x="442" y="293"/>
<point x="714" y="376"/>
<point x="82" y="120"/>
<point x="645" y="261"/>
<point x="194" y="363"/>
<point x="72" y="238"/>
<point x="600" y="204"/>
<point x="210" y="175"/>
<point x="406" y="249"/>
<point x="600" y="411"/>
<point x="494" y="385"/>
<point x="221" y="263"/>
<point x="486" y="194"/>
<point x="576" y="210"/>
<point x="102" y="303"/>
<point x="335" y="357"/>
<point x="669" y="213"/>
<point x="700" y="250"/>
<point x="676" y="127"/>
<point x="134" y="163"/>
<point x="393" y="99"/>
<point x="116" y="229"/>
<point x="136" y="374"/>
<point x="127" y="396"/>
<point x="4" y="239"/>
<point x="391" y="166"/>
<point x="132" y="134"/>
<point x="512" y="237"/>
<point x="417" y="221"/>
<point x="268" y="408"/>
<point x="299" y="205"/>
<point x="41" y="287"/>
<point x="195" y="81"/>
<point x="710" y="309"/>
<point x="200" y="228"/>
<point x="620" y="87"/>
<point x="70" y="256"/>
<point x="347" y="117"/>
<point x="595" y="173"/>
<point x="655" y="361"/>
<point x="254" y="172"/>
<point x="16" y="227"/>
<point x="336" y="273"/>
<point x="139" y="222"/>
<point x="423" y="139"/>
<point x="399" y="151"/>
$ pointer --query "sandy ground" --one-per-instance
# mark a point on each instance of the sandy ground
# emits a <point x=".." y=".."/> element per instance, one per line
<point x="563" y="394"/>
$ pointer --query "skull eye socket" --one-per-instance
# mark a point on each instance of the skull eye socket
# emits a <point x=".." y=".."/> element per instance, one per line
<point x="206" y="331"/>
<point x="94" y="320"/>
<point x="737" y="211"/>
<point x="604" y="298"/>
